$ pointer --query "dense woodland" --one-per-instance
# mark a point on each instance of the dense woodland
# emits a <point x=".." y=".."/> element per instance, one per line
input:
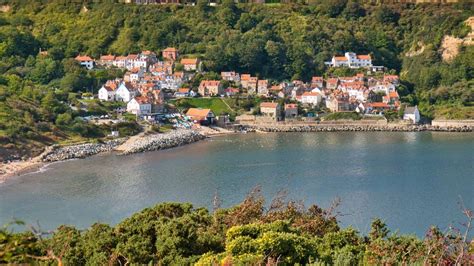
<point x="252" y="233"/>
<point x="275" y="41"/>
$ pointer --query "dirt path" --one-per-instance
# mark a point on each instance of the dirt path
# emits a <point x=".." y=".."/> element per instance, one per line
<point x="228" y="106"/>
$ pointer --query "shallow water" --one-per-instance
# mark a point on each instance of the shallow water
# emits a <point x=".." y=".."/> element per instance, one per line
<point x="410" y="179"/>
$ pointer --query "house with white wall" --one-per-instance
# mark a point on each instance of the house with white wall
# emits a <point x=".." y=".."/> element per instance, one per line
<point x="125" y="92"/>
<point x="312" y="98"/>
<point x="85" y="61"/>
<point x="139" y="106"/>
<point x="106" y="93"/>
<point x="412" y="114"/>
<point x="351" y="60"/>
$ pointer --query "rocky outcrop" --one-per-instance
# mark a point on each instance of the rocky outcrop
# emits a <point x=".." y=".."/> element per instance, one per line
<point x="57" y="153"/>
<point x="325" y="128"/>
<point x="164" y="141"/>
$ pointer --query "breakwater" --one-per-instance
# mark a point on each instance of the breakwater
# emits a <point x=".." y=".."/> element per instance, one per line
<point x="332" y="128"/>
<point x="163" y="141"/>
<point x="58" y="153"/>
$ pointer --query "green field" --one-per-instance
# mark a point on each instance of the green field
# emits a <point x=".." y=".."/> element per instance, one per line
<point x="215" y="104"/>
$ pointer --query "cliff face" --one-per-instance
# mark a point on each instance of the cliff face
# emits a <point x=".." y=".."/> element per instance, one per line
<point x="450" y="45"/>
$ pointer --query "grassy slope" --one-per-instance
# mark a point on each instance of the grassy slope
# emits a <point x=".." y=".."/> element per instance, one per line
<point x="215" y="104"/>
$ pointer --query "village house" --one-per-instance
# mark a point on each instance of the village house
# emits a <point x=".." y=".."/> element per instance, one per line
<point x="106" y="93"/>
<point x="332" y="83"/>
<point x="355" y="89"/>
<point x="339" y="103"/>
<point x="182" y="92"/>
<point x="162" y="68"/>
<point x="270" y="109"/>
<point x="392" y="97"/>
<point x="262" y="87"/>
<point x="202" y="116"/>
<point x="230" y="76"/>
<point x="412" y="114"/>
<point x="377" y="107"/>
<point x="291" y="110"/>
<point x="125" y="92"/>
<point x="350" y="60"/>
<point x="135" y="74"/>
<point x="275" y="89"/>
<point x="210" y="88"/>
<point x="383" y="86"/>
<point x="244" y="79"/>
<point x="170" y="53"/>
<point x="190" y="64"/>
<point x="252" y="85"/>
<point x="120" y="62"/>
<point x="394" y="79"/>
<point x="107" y="60"/>
<point x="231" y="91"/>
<point x="131" y="61"/>
<point x="312" y="98"/>
<point x="158" y="100"/>
<point x="85" y="61"/>
<point x="139" y="106"/>
<point x="317" y="82"/>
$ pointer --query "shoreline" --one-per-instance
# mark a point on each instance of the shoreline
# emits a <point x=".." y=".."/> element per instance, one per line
<point x="175" y="138"/>
<point x="56" y="153"/>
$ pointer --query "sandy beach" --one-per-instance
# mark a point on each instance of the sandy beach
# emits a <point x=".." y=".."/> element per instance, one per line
<point x="17" y="168"/>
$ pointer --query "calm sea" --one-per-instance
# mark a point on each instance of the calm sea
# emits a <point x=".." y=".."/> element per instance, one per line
<point x="411" y="180"/>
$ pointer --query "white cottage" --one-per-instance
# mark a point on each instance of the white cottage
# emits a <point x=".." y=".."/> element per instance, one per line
<point x="412" y="114"/>
<point x="125" y="92"/>
<point x="106" y="93"/>
<point x="313" y="98"/>
<point x="139" y="106"/>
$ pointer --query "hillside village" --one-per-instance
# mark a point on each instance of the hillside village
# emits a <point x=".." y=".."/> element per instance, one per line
<point x="152" y="81"/>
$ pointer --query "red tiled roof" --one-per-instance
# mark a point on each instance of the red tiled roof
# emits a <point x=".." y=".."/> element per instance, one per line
<point x="235" y="90"/>
<point x="245" y="77"/>
<point x="107" y="57"/>
<point x="379" y="105"/>
<point x="83" y="58"/>
<point x="109" y="88"/>
<point x="268" y="105"/>
<point x="189" y="61"/>
<point x="291" y="106"/>
<point x="132" y="56"/>
<point x="207" y="83"/>
<point x="142" y="100"/>
<point x="198" y="113"/>
<point x="393" y="94"/>
<point x="183" y="90"/>
<point x="390" y="77"/>
<point x="340" y="58"/>
<point x="364" y="57"/>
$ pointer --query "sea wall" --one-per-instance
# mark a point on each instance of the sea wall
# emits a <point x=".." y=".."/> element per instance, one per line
<point x="58" y="153"/>
<point x="164" y="141"/>
<point x="453" y="123"/>
<point x="331" y="128"/>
